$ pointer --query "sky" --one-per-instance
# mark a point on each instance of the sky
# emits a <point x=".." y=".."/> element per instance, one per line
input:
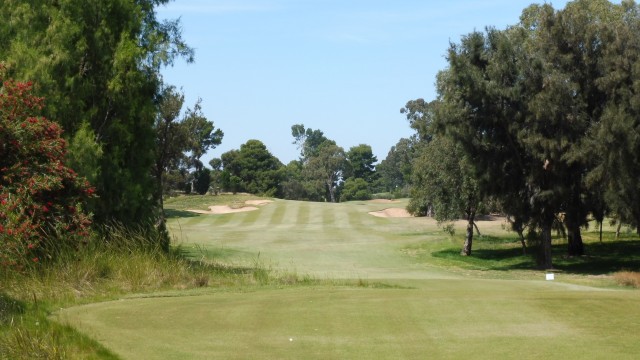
<point x="343" y="67"/>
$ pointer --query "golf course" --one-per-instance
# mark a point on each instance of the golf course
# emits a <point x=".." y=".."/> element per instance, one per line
<point x="360" y="280"/>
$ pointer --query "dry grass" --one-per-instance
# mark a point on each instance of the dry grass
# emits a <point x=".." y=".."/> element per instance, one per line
<point x="628" y="278"/>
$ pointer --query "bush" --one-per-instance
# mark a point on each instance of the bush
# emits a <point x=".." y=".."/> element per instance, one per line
<point x="628" y="278"/>
<point x="355" y="189"/>
<point x="41" y="200"/>
<point x="202" y="181"/>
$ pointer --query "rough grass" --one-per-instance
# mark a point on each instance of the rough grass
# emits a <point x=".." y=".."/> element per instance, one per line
<point x="102" y="270"/>
<point x="628" y="278"/>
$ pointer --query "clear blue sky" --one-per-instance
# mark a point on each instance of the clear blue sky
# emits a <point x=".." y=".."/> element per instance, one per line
<point x="344" y="67"/>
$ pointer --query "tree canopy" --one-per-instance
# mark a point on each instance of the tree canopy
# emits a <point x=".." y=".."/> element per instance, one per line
<point x="98" y="63"/>
<point x="545" y="112"/>
<point x="251" y="169"/>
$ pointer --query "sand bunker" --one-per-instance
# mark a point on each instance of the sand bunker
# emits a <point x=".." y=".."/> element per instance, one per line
<point x="391" y="213"/>
<point x="383" y="201"/>
<point x="226" y="209"/>
<point x="258" y="202"/>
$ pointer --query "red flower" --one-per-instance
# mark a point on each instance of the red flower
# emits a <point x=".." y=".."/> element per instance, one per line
<point x="35" y="259"/>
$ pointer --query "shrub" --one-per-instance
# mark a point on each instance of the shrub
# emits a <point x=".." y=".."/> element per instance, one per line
<point x="628" y="278"/>
<point x="41" y="199"/>
<point x="355" y="189"/>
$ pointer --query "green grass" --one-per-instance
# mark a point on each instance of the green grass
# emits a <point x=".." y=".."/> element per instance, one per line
<point x="98" y="272"/>
<point x="176" y="206"/>
<point x="440" y="319"/>
<point x="314" y="280"/>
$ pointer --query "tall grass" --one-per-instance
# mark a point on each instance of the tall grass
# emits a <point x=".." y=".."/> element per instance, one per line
<point x="121" y="261"/>
<point x="628" y="278"/>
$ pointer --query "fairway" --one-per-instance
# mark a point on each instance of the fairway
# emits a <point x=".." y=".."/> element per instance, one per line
<point x="320" y="239"/>
<point x="403" y="308"/>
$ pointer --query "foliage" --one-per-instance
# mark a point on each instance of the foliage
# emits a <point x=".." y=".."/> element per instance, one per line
<point x="42" y="201"/>
<point x="201" y="181"/>
<point x="327" y="168"/>
<point x="84" y="153"/>
<point x="355" y="189"/>
<point x="321" y="168"/>
<point x="308" y="141"/>
<point x="444" y="183"/>
<point x="535" y="107"/>
<point x="361" y="163"/>
<point x="396" y="169"/>
<point x="296" y="187"/>
<point x="202" y="134"/>
<point x="98" y="63"/>
<point x="251" y="169"/>
<point x="180" y="143"/>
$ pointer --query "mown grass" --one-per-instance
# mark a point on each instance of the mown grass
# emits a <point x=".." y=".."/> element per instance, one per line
<point x="242" y="254"/>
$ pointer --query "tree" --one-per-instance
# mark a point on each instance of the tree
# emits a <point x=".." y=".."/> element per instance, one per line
<point x="252" y="169"/>
<point x="201" y="181"/>
<point x="180" y="142"/>
<point x="395" y="170"/>
<point x="216" y="174"/>
<point x="529" y="104"/>
<point x="84" y="153"/>
<point x="171" y="138"/>
<point x="42" y="201"/>
<point x="444" y="181"/>
<point x="615" y="142"/>
<point x="327" y="167"/>
<point x="308" y="141"/>
<point x="362" y="163"/>
<point x="202" y="137"/>
<point x="99" y="62"/>
<point x="295" y="186"/>
<point x="355" y="189"/>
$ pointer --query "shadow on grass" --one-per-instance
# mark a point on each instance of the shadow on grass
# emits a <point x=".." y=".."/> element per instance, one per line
<point x="600" y="258"/>
<point x="172" y="214"/>
<point x="9" y="308"/>
<point x="207" y="259"/>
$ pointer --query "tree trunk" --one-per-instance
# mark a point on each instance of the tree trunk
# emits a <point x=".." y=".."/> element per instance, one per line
<point x="516" y="225"/>
<point x="601" y="232"/>
<point x="544" y="258"/>
<point x="477" y="230"/>
<point x="468" y="241"/>
<point x="576" y="246"/>
<point x="332" y="191"/>
<point x="618" y="230"/>
<point x="523" y="242"/>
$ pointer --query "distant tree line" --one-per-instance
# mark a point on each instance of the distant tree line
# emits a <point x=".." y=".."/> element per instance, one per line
<point x="324" y="171"/>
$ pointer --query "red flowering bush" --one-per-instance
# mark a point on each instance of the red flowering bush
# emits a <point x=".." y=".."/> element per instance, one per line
<point x="41" y="200"/>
